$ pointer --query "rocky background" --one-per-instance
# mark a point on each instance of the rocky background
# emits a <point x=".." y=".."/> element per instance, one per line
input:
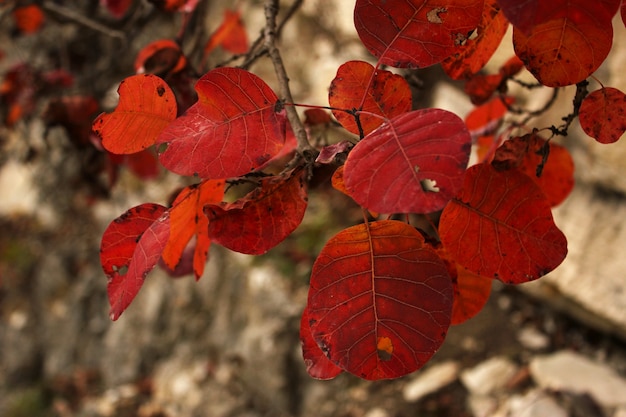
<point x="228" y="345"/>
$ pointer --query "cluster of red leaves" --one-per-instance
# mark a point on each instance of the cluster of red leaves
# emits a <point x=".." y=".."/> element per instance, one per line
<point x="382" y="293"/>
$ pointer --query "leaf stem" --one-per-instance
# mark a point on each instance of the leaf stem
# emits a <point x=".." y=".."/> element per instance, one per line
<point x="270" y="35"/>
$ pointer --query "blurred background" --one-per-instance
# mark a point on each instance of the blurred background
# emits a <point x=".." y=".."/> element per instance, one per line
<point x="228" y="344"/>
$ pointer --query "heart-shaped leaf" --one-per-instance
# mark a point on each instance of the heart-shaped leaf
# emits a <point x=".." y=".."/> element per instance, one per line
<point x="380" y="300"/>
<point x="415" y="33"/>
<point x="500" y="226"/>
<point x="147" y="105"/>
<point x="236" y="126"/>
<point x="413" y="164"/>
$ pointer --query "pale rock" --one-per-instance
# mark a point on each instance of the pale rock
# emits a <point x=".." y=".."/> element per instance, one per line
<point x="489" y="376"/>
<point x="620" y="412"/>
<point x="431" y="380"/>
<point x="377" y="412"/>
<point x="534" y="403"/>
<point x="482" y="405"/>
<point x="569" y="371"/>
<point x="533" y="339"/>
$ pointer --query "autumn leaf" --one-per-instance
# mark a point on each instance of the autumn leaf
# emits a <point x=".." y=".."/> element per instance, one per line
<point x="162" y="58"/>
<point x="28" y="19"/>
<point x="483" y="123"/>
<point x="317" y="364"/>
<point x="131" y="247"/>
<point x="567" y="47"/>
<point x="602" y="115"/>
<point x="548" y="164"/>
<point x="230" y="35"/>
<point x="500" y="226"/>
<point x="235" y="127"/>
<point x="474" y="53"/>
<point x="471" y="293"/>
<point x="375" y="94"/>
<point x="147" y="105"/>
<point x="379" y="300"/>
<point x="415" y="33"/>
<point x="415" y="163"/>
<point x="187" y="220"/>
<point x="263" y="218"/>
<point x="117" y="8"/>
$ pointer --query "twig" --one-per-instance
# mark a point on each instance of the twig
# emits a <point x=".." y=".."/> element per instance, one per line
<point x="304" y="147"/>
<point x="82" y="20"/>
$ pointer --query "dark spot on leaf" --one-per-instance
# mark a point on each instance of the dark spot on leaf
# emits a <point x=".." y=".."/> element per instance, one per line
<point x="160" y="90"/>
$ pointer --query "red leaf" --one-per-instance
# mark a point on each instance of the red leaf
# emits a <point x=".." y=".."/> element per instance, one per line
<point x="549" y="165"/>
<point x="525" y="15"/>
<point x="483" y="122"/>
<point x="501" y="226"/>
<point x="143" y="164"/>
<point x="602" y="115"/>
<point x="359" y="86"/>
<point x="317" y="364"/>
<point x="117" y="8"/>
<point x="162" y="57"/>
<point x="313" y="117"/>
<point x="263" y="218"/>
<point x="568" y="47"/>
<point x="230" y="35"/>
<point x="413" y="164"/>
<point x="471" y="293"/>
<point x="415" y="33"/>
<point x="470" y="57"/>
<point x="131" y="246"/>
<point x="480" y="87"/>
<point x="380" y="300"/>
<point x="28" y="19"/>
<point x="187" y="220"/>
<point x="147" y="105"/>
<point x="328" y="153"/>
<point x="236" y="126"/>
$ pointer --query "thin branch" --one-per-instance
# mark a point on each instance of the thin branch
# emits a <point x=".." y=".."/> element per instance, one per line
<point x="270" y="34"/>
<point x="82" y="20"/>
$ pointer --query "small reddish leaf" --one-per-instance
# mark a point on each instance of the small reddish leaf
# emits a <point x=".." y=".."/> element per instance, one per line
<point x="566" y="50"/>
<point x="317" y="364"/>
<point x="147" y="105"/>
<point x="263" y="218"/>
<point x="480" y="87"/>
<point x="28" y="19"/>
<point x="359" y="86"/>
<point x="236" y="126"/>
<point x="230" y="35"/>
<point x="483" y="122"/>
<point x="313" y="117"/>
<point x="471" y="293"/>
<point x="131" y="247"/>
<point x="413" y="164"/>
<point x="415" y="33"/>
<point x="187" y="220"/>
<point x="602" y="114"/>
<point x="470" y="57"/>
<point x="75" y="114"/>
<point x="501" y="226"/>
<point x="143" y="164"/>
<point x="380" y="300"/>
<point x="162" y="57"/>
<point x="117" y="8"/>
<point x="328" y="153"/>
<point x="548" y="164"/>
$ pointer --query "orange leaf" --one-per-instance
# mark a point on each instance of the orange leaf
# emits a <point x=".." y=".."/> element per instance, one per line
<point x="475" y="53"/>
<point x="187" y="219"/>
<point x="603" y="115"/>
<point x="565" y="50"/>
<point x="483" y="122"/>
<point x="28" y="19"/>
<point x="471" y="293"/>
<point x="162" y="57"/>
<point x="230" y="35"/>
<point x="147" y="105"/>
